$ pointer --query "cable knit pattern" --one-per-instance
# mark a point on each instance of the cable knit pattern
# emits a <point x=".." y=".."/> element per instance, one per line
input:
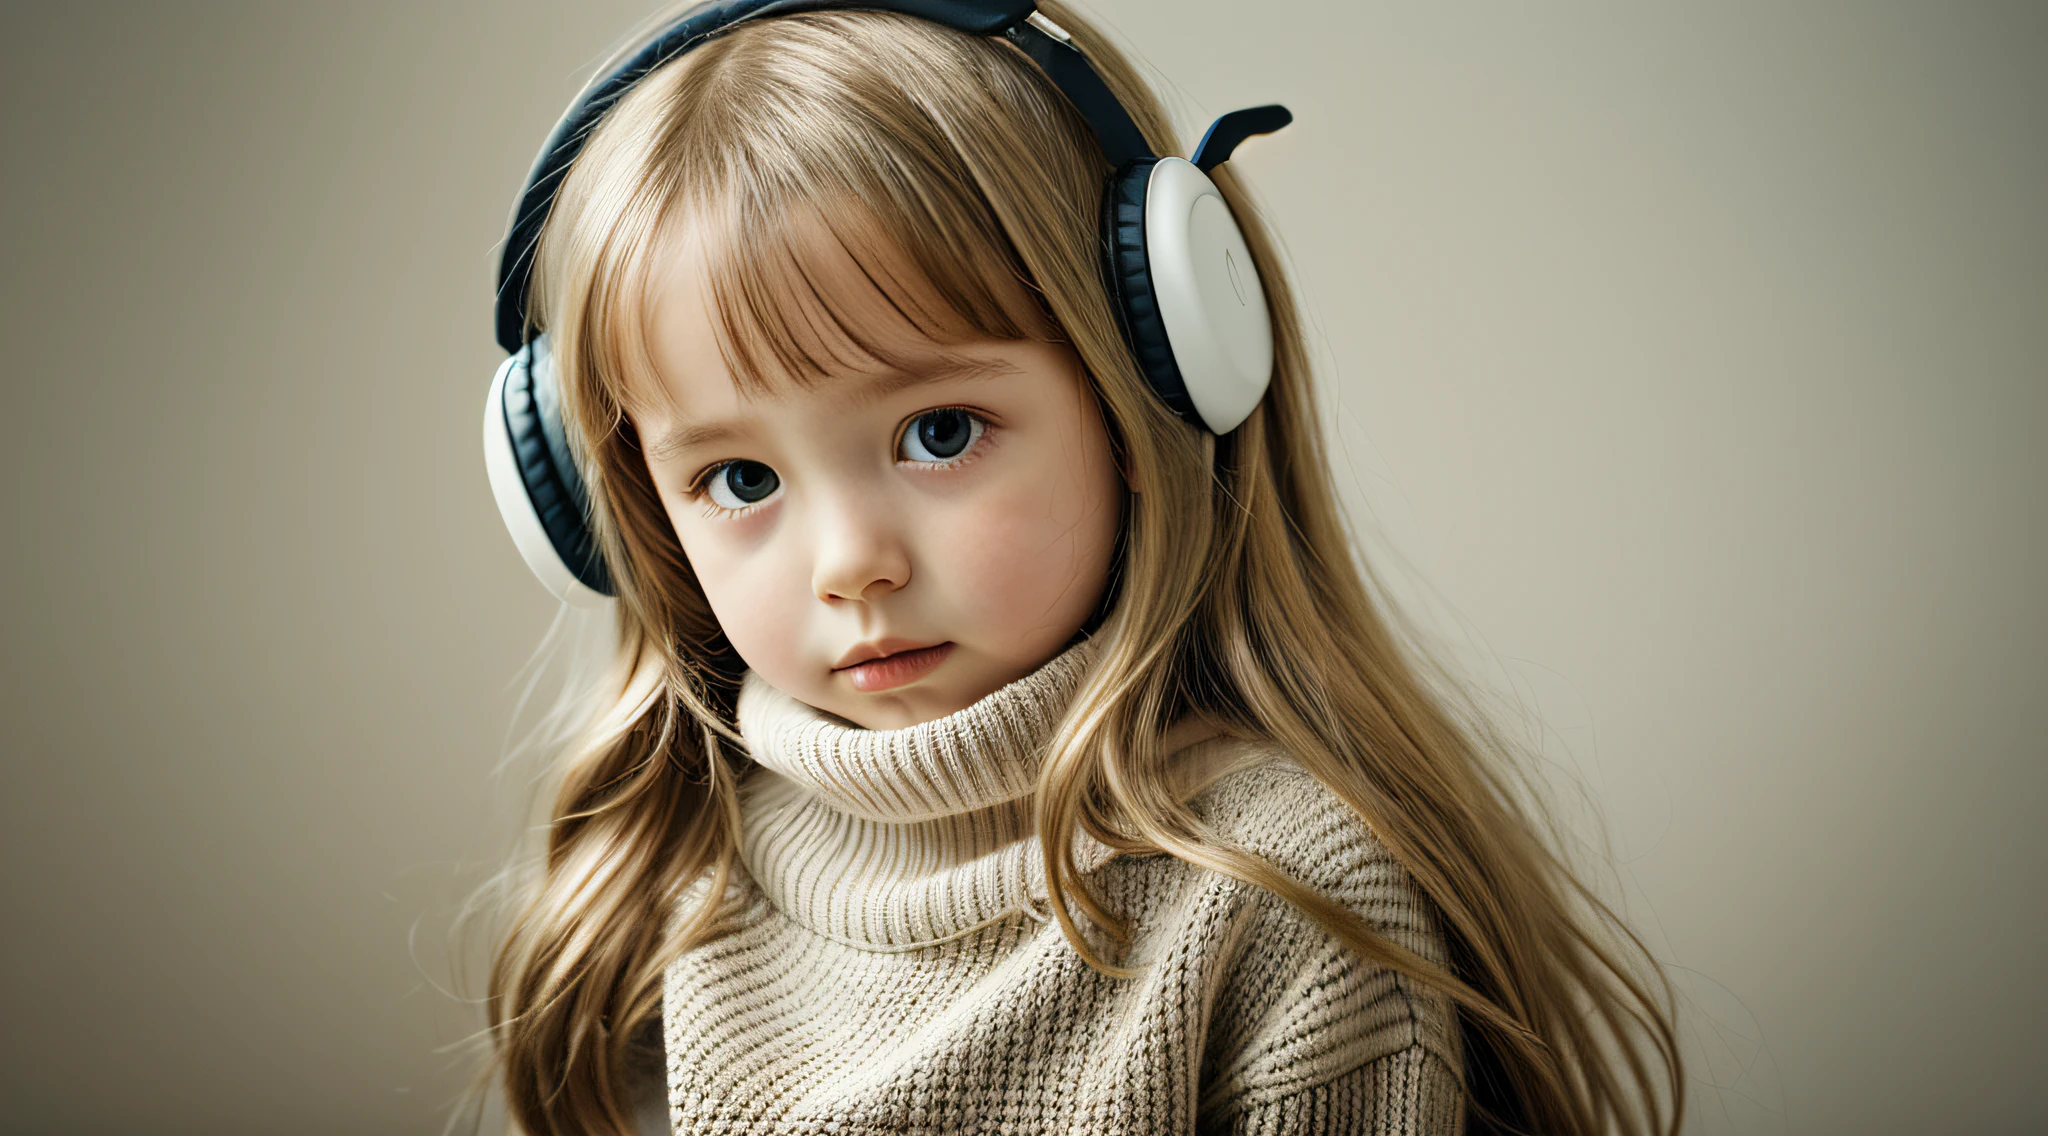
<point x="891" y="969"/>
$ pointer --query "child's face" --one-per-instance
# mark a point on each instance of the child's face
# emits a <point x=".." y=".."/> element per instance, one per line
<point x="886" y="546"/>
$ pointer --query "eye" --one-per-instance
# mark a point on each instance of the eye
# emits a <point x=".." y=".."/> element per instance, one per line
<point x="941" y="435"/>
<point x="738" y="484"/>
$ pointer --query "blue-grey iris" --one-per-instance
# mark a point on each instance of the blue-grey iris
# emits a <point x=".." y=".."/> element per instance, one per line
<point x="750" y="481"/>
<point x="944" y="433"/>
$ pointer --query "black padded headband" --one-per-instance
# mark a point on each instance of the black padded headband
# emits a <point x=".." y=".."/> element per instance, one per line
<point x="1066" y="67"/>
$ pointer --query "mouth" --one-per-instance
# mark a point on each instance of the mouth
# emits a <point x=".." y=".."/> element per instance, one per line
<point x="889" y="664"/>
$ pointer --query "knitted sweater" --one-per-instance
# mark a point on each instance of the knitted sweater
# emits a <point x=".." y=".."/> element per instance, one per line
<point x="892" y="970"/>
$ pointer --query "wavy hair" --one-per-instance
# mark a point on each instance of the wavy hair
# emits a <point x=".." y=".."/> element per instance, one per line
<point x="952" y="170"/>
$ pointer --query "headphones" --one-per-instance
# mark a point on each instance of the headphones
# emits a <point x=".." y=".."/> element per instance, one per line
<point x="1175" y="264"/>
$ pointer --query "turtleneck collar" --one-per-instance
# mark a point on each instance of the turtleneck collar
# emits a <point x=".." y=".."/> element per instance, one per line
<point x="971" y="759"/>
<point x="897" y="839"/>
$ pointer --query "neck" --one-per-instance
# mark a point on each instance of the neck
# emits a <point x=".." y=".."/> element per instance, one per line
<point x="892" y="839"/>
<point x="985" y="755"/>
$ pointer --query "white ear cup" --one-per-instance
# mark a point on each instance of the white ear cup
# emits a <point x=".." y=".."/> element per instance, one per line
<point x="1209" y="296"/>
<point x="516" y="506"/>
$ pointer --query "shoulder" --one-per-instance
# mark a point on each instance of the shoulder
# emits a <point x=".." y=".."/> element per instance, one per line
<point x="1259" y="797"/>
<point x="1265" y="803"/>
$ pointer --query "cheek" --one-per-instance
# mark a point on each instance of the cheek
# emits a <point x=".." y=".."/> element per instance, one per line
<point x="1029" y="559"/>
<point x="755" y="594"/>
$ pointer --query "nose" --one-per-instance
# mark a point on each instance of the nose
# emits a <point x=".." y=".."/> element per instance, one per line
<point x="859" y="555"/>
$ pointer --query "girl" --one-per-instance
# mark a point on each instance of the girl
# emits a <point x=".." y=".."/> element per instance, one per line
<point x="1003" y="735"/>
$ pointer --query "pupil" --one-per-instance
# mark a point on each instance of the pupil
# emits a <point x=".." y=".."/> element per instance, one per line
<point x="944" y="432"/>
<point x="750" y="481"/>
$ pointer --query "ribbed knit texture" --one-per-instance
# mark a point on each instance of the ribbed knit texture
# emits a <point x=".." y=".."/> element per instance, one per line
<point x="891" y="969"/>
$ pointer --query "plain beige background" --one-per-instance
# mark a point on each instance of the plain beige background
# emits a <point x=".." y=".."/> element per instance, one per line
<point x="1690" y="368"/>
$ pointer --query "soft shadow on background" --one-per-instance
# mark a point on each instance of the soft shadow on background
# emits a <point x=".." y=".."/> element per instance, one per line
<point x="1689" y="372"/>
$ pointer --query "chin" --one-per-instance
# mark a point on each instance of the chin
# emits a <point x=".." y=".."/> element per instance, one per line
<point x="902" y="707"/>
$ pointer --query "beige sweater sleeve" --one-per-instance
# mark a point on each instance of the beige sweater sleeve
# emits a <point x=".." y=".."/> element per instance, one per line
<point x="1412" y="1092"/>
<point x="1307" y="1036"/>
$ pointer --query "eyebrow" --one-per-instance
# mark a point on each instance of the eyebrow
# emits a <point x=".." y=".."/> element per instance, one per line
<point x="684" y="437"/>
<point x="873" y="389"/>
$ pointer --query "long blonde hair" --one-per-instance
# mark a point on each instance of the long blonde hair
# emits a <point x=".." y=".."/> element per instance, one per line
<point x="1237" y="595"/>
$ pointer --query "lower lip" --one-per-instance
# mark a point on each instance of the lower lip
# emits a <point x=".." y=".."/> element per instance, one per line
<point x="892" y="671"/>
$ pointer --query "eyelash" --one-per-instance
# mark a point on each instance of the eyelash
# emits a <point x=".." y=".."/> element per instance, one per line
<point x="699" y="487"/>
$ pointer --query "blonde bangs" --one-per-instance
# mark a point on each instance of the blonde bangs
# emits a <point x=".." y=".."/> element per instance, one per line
<point x="805" y="289"/>
<point x="836" y="223"/>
